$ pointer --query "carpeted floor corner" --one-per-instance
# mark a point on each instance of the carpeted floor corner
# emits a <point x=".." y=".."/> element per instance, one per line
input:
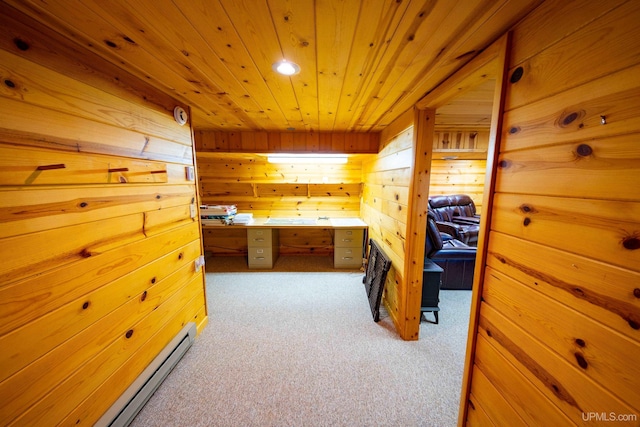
<point x="292" y="349"/>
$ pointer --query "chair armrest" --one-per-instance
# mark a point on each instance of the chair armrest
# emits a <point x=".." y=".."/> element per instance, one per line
<point x="467" y="220"/>
<point x="446" y="237"/>
<point x="450" y="228"/>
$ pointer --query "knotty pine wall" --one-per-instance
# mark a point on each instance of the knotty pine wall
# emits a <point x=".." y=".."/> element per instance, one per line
<point x="236" y="174"/>
<point x="459" y="163"/>
<point x="458" y="177"/>
<point x="96" y="237"/>
<point x="385" y="201"/>
<point x="555" y="336"/>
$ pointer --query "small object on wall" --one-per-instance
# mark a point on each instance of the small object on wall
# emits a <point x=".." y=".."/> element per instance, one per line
<point x="190" y="173"/>
<point x="199" y="263"/>
<point x="180" y="115"/>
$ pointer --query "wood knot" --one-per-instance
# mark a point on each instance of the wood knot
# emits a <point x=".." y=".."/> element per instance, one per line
<point x="580" y="342"/>
<point x="83" y="204"/>
<point x="129" y="333"/>
<point x="21" y="44"/>
<point x="631" y="243"/>
<point x="567" y="118"/>
<point x="526" y="221"/>
<point x="503" y="164"/>
<point x="86" y="305"/>
<point x="578" y="292"/>
<point x="143" y="296"/>
<point x="516" y="75"/>
<point x="153" y="280"/>
<point x="110" y="43"/>
<point x="582" y="362"/>
<point x="634" y="325"/>
<point x="584" y="150"/>
<point x="180" y="255"/>
<point x="636" y="292"/>
<point x="526" y="208"/>
<point x="489" y="334"/>
<point x="9" y="83"/>
<point x="514" y="129"/>
<point x="85" y="253"/>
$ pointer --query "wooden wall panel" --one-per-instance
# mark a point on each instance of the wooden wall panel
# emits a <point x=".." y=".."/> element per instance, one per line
<point x="454" y="141"/>
<point x="74" y="342"/>
<point x="458" y="177"/>
<point x="559" y="307"/>
<point x="96" y="231"/>
<point x="385" y="202"/>
<point x="489" y="398"/>
<point x="528" y="402"/>
<point x="602" y="360"/>
<point x="286" y="142"/>
<point x="265" y="189"/>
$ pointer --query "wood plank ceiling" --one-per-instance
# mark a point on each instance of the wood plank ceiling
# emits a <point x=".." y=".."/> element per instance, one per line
<point x="363" y="62"/>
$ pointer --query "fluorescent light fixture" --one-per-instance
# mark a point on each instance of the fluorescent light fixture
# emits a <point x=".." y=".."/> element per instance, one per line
<point x="286" y="68"/>
<point x="308" y="158"/>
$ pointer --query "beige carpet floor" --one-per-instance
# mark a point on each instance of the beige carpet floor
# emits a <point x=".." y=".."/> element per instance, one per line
<point x="297" y="346"/>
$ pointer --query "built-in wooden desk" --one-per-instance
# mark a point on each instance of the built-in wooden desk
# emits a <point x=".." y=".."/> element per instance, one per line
<point x="263" y="239"/>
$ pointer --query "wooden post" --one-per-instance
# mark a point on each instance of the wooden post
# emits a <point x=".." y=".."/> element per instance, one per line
<point x="423" y="131"/>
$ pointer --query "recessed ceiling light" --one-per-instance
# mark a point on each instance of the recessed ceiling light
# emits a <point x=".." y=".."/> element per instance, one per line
<point x="286" y="68"/>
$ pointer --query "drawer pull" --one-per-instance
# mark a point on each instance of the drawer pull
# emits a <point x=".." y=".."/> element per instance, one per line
<point x="347" y="257"/>
<point x="347" y="240"/>
<point x="259" y="257"/>
<point x="258" y="240"/>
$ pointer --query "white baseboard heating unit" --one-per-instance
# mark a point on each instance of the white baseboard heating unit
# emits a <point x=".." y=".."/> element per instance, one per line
<point x="124" y="410"/>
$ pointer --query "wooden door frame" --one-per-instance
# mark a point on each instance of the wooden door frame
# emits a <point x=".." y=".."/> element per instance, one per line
<point x="490" y="63"/>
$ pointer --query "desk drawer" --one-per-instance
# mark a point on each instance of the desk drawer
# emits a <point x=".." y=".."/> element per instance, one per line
<point x="347" y="257"/>
<point x="260" y="258"/>
<point x="259" y="237"/>
<point x="349" y="238"/>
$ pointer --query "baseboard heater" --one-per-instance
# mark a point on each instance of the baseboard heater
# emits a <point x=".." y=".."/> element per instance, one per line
<point x="124" y="410"/>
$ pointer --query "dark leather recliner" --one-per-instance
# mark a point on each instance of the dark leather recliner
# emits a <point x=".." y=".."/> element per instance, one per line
<point x="456" y="258"/>
<point x="456" y="215"/>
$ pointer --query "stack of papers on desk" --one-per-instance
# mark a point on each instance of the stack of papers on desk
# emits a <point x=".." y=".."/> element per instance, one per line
<point x="217" y="214"/>
<point x="243" y="219"/>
